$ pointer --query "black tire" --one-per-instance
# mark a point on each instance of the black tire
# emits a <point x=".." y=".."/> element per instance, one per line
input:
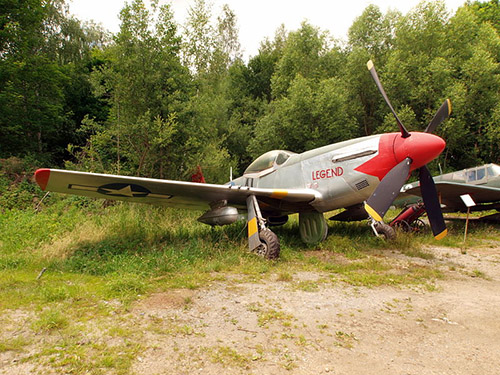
<point x="274" y="221"/>
<point x="385" y="230"/>
<point x="270" y="248"/>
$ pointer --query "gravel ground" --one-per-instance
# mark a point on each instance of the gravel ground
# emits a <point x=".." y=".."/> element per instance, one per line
<point x="306" y="324"/>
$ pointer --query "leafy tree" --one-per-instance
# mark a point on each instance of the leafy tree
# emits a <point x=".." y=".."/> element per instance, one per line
<point x="312" y="115"/>
<point x="208" y="48"/>
<point x="487" y="11"/>
<point x="476" y="74"/>
<point x="373" y="31"/>
<point x="150" y="101"/>
<point x="310" y="106"/>
<point x="416" y="64"/>
<point x="210" y="51"/>
<point x="305" y="52"/>
<point x="248" y="94"/>
<point x="42" y="48"/>
<point x="199" y="38"/>
<point x="147" y="88"/>
<point x="227" y="45"/>
<point x="371" y="37"/>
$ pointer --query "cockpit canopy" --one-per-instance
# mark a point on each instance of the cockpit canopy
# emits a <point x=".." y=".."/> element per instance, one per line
<point x="476" y="174"/>
<point x="268" y="160"/>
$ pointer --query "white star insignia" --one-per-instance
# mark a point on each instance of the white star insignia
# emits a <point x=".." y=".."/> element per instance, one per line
<point x="126" y="191"/>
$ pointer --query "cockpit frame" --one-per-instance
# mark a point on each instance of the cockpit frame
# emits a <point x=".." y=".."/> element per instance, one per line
<point x="267" y="163"/>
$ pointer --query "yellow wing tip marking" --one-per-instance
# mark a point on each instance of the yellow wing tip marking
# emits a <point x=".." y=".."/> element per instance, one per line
<point x="449" y="106"/>
<point x="372" y="213"/>
<point x="369" y="65"/>
<point x="441" y="235"/>
<point x="252" y="227"/>
<point x="279" y="194"/>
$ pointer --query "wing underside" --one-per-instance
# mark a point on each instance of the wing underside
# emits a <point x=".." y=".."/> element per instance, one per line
<point x="171" y="193"/>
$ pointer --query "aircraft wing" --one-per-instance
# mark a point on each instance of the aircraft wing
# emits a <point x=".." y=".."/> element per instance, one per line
<point x="450" y="193"/>
<point x="168" y="192"/>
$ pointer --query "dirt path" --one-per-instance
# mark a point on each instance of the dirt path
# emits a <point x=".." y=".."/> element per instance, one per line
<point x="301" y="323"/>
<point x="299" y="326"/>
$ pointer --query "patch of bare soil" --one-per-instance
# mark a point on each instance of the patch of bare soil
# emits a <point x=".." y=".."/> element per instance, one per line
<point x="304" y="323"/>
<point x="282" y="327"/>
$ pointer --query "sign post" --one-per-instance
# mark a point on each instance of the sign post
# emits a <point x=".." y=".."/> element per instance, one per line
<point x="469" y="202"/>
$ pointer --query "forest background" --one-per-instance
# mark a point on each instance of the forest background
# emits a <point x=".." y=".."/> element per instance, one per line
<point x="158" y="99"/>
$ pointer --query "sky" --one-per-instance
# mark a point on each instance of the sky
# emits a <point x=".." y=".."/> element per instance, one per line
<point x="258" y="19"/>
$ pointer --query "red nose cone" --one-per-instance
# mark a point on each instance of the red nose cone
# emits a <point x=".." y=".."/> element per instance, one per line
<point x="420" y="147"/>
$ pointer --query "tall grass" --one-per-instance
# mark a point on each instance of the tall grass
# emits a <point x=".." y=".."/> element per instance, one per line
<point x="125" y="250"/>
<point x="98" y="260"/>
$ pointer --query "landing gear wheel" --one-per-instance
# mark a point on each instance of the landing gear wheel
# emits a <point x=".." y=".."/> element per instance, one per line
<point x="385" y="230"/>
<point x="418" y="226"/>
<point x="270" y="247"/>
<point x="404" y="226"/>
<point x="312" y="227"/>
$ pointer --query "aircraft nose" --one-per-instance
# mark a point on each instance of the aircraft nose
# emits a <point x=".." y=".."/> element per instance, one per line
<point x="420" y="147"/>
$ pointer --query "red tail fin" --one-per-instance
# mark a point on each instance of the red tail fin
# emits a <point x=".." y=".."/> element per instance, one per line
<point x="198" y="176"/>
<point x="42" y="177"/>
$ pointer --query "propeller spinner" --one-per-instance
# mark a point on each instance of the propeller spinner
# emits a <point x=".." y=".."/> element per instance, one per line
<point x="412" y="151"/>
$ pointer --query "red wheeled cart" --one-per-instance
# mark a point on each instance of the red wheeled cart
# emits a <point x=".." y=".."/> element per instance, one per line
<point x="409" y="219"/>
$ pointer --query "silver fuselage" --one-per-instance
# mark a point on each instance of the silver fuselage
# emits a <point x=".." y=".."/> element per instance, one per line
<point x="329" y="170"/>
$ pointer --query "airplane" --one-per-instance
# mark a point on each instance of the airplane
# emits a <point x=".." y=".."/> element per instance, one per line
<point x="362" y="174"/>
<point x="482" y="183"/>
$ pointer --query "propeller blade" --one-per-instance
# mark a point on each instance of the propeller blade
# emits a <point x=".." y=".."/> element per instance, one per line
<point x="374" y="74"/>
<point x="431" y="202"/>
<point x="442" y="114"/>
<point x="388" y="189"/>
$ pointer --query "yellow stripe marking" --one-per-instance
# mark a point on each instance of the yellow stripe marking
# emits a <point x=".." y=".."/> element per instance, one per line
<point x="252" y="227"/>
<point x="372" y="213"/>
<point x="441" y="235"/>
<point x="449" y="106"/>
<point x="279" y="194"/>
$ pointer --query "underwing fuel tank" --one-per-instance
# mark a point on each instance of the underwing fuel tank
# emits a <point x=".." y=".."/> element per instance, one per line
<point x="219" y="216"/>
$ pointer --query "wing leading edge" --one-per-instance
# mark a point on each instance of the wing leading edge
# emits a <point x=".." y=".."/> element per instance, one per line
<point x="164" y="192"/>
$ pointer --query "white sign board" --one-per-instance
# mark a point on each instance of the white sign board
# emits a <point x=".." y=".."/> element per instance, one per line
<point x="468" y="201"/>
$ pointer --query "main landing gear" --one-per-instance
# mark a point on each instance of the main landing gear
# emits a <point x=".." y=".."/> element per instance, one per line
<point x="261" y="239"/>
<point x="312" y="227"/>
<point x="382" y="229"/>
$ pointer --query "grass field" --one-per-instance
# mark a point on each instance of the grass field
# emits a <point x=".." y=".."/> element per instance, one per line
<point x="74" y="268"/>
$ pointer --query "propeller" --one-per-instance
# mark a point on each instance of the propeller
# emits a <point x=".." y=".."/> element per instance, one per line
<point x="388" y="189"/>
<point x="415" y="150"/>
<point x="373" y="72"/>
<point x="442" y="114"/>
<point x="431" y="203"/>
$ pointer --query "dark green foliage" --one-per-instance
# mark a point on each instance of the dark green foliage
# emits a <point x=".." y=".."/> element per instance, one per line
<point x="42" y="89"/>
<point x="157" y="99"/>
<point x="487" y="11"/>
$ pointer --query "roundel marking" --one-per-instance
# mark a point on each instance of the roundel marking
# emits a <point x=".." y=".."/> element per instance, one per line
<point x="123" y="190"/>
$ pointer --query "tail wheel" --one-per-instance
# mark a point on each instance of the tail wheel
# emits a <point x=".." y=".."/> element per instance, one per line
<point x="270" y="247"/>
